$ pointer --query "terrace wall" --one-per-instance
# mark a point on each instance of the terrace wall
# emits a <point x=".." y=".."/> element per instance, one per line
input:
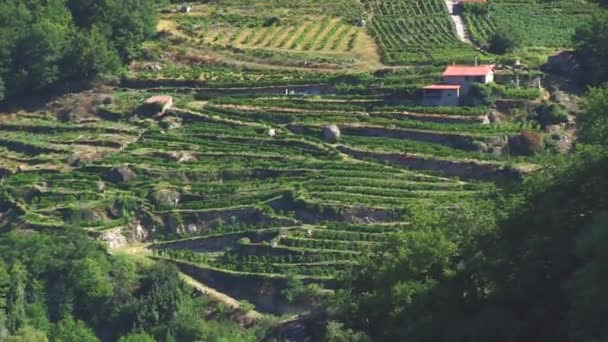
<point x="461" y="169"/>
<point x="262" y="291"/>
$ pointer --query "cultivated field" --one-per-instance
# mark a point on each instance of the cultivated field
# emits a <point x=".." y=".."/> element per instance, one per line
<point x="542" y="23"/>
<point x="241" y="184"/>
<point x="224" y="200"/>
<point x="416" y="32"/>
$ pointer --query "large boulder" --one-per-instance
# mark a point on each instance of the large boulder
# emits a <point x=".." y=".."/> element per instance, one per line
<point x="113" y="238"/>
<point x="121" y="174"/>
<point x="165" y="197"/>
<point x="331" y="133"/>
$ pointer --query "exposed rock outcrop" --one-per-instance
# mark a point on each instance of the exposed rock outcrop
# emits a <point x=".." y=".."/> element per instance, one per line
<point x="121" y="174"/>
<point x="114" y="238"/>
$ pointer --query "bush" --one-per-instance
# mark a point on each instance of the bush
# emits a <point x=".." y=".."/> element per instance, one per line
<point x="476" y="8"/>
<point x="551" y="114"/>
<point x="527" y="143"/>
<point x="480" y="94"/>
<point x="272" y="21"/>
<point x="505" y="39"/>
<point x="244" y="241"/>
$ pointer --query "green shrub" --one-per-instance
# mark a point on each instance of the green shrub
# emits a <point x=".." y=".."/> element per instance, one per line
<point x="480" y="94"/>
<point x="551" y="114"/>
<point x="274" y="20"/>
<point x="548" y="114"/>
<point x="244" y="241"/>
<point x="505" y="39"/>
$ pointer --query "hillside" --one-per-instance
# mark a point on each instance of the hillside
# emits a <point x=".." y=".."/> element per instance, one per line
<point x="266" y="152"/>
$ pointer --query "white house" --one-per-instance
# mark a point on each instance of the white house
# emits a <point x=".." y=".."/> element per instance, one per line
<point x="465" y="75"/>
<point x="441" y="95"/>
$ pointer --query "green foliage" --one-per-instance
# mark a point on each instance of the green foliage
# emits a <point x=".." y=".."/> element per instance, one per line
<point x="2" y="90"/>
<point x="66" y="278"/>
<point x="137" y="338"/>
<point x="537" y="277"/>
<point x="90" y="54"/>
<point x="482" y="93"/>
<point x="400" y="285"/>
<point x="42" y="43"/>
<point x="591" y="41"/>
<point x="593" y="123"/>
<point x="550" y="114"/>
<point x="161" y="294"/>
<point x="71" y="330"/>
<point x="416" y="32"/>
<point x="335" y="332"/>
<point x="27" y="334"/>
<point x="506" y="39"/>
<point x="589" y="302"/>
<point x="542" y="23"/>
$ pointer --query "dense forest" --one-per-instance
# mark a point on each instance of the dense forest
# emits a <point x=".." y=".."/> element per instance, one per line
<point x="528" y="269"/>
<point x="63" y="286"/>
<point x="46" y="42"/>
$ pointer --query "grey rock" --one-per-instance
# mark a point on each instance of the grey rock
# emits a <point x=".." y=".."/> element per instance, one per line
<point x="331" y="133"/>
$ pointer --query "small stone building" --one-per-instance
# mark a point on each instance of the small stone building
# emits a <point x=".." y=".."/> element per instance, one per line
<point x="159" y="103"/>
<point x="441" y="95"/>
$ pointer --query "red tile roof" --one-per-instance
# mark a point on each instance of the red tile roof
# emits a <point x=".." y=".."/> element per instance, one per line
<point x="442" y="87"/>
<point x="466" y="70"/>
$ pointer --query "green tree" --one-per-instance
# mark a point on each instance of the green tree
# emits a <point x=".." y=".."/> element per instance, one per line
<point x="16" y="297"/>
<point x="137" y="338"/>
<point x="591" y="41"/>
<point x="590" y="303"/>
<point x="27" y="334"/>
<point x="90" y="55"/>
<point x="70" y="330"/>
<point x="5" y="282"/>
<point x="36" y="56"/>
<point x="161" y="295"/>
<point x="1" y="89"/>
<point x="335" y="332"/>
<point x="506" y="39"/>
<point x="593" y="123"/>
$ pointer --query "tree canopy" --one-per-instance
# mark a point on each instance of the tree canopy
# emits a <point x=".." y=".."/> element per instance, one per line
<point x="43" y="42"/>
<point x="591" y="40"/>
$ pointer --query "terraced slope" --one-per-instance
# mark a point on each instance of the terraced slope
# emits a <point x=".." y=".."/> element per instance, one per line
<point x="416" y="32"/>
<point x="542" y="23"/>
<point x="229" y="203"/>
<point x="314" y="34"/>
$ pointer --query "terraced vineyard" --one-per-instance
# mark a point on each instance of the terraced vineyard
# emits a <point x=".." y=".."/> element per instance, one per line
<point x="416" y="32"/>
<point x="323" y="34"/>
<point x="318" y="34"/>
<point x="542" y="23"/>
<point x="228" y="203"/>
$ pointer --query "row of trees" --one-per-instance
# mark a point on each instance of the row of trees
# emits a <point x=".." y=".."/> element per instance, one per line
<point x="529" y="267"/>
<point x="44" y="42"/>
<point x="62" y="286"/>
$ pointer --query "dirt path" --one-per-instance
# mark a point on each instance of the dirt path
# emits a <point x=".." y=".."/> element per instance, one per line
<point x="461" y="29"/>
<point x="141" y="253"/>
<point x="244" y="317"/>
